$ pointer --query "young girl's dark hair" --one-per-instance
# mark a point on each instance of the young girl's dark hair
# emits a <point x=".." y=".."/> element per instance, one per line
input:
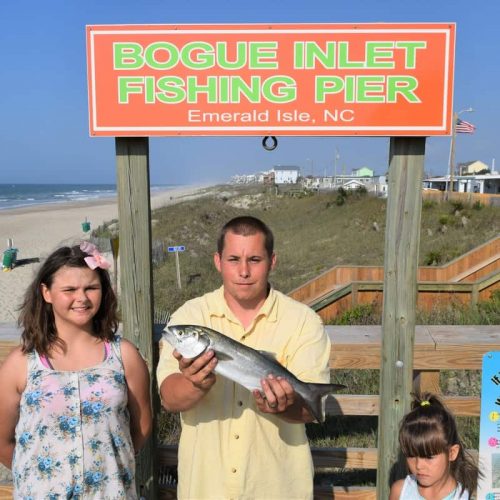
<point x="430" y="429"/>
<point x="36" y="316"/>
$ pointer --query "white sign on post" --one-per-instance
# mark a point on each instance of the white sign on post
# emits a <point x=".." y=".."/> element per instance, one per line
<point x="176" y="250"/>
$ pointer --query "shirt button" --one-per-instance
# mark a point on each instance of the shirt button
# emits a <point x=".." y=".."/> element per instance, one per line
<point x="233" y="470"/>
<point x="236" y="436"/>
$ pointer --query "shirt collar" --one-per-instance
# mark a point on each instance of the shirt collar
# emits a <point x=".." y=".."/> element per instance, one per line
<point x="218" y="306"/>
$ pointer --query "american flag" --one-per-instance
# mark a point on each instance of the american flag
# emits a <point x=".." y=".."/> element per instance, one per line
<point x="463" y="127"/>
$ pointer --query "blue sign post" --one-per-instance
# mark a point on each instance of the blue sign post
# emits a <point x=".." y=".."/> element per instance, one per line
<point x="176" y="250"/>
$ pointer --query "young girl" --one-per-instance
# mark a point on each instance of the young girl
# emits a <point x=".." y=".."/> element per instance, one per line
<point x="439" y="467"/>
<point x="74" y="404"/>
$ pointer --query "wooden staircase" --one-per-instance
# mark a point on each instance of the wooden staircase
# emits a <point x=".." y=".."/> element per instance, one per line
<point x="466" y="279"/>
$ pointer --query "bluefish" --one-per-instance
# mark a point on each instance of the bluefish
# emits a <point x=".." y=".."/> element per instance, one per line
<point x="244" y="365"/>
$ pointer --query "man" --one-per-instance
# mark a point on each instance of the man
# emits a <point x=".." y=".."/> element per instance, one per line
<point x="236" y="444"/>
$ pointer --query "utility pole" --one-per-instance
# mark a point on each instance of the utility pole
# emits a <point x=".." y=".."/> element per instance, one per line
<point x="337" y="156"/>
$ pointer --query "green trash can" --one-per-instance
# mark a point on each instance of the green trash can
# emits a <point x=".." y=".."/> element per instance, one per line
<point x="85" y="227"/>
<point x="9" y="258"/>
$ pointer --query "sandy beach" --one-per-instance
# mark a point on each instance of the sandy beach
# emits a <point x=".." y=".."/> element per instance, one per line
<point x="38" y="230"/>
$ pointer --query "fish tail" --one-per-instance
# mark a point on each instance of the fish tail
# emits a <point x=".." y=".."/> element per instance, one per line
<point x="316" y="398"/>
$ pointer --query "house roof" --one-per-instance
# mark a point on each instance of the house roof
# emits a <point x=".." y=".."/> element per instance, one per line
<point x="467" y="163"/>
<point x="296" y="169"/>
<point x="353" y="181"/>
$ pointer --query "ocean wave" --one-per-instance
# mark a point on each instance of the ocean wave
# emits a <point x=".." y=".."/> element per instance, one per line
<point x="26" y="195"/>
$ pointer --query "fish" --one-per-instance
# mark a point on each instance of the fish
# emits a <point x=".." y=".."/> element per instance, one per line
<point x="244" y="365"/>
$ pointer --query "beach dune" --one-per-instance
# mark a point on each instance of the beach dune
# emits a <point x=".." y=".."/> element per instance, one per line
<point x="38" y="230"/>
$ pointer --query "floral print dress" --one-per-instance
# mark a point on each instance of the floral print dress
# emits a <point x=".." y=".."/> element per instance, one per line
<point x="73" y="434"/>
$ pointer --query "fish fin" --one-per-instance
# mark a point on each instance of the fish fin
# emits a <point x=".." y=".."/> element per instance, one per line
<point x="317" y="399"/>
<point x="222" y="356"/>
<point x="269" y="355"/>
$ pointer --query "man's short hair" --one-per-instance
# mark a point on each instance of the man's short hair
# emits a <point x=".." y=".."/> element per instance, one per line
<point x="246" y="225"/>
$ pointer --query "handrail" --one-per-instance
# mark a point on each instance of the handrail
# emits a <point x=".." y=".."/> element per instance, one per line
<point x="484" y="256"/>
<point x="327" y="298"/>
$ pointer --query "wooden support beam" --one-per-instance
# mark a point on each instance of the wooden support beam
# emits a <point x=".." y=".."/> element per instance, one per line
<point x="323" y="458"/>
<point x="6" y="492"/>
<point x="136" y="278"/>
<point x="340" y="493"/>
<point x="348" y="404"/>
<point x="402" y="237"/>
<point x="427" y="381"/>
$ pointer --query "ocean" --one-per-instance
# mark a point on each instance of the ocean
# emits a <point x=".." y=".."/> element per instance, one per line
<point x="24" y="195"/>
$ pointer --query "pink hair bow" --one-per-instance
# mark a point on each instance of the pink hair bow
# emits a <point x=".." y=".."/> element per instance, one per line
<point x="94" y="259"/>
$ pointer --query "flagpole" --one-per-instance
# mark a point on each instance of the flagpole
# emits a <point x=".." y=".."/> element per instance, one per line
<point x="452" y="145"/>
<point x="335" y="167"/>
<point x="452" y="150"/>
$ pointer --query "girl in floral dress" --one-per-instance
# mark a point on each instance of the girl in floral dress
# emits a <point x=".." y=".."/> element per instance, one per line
<point x="74" y="404"/>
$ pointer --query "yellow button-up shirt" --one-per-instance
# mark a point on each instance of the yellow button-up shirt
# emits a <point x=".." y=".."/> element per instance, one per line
<point x="228" y="449"/>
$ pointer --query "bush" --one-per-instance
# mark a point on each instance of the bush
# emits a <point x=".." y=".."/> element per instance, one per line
<point x="427" y="204"/>
<point x="444" y="220"/>
<point x="433" y="258"/>
<point x="361" y="190"/>
<point x="340" y="200"/>
<point x="363" y="314"/>
<point x="342" y="192"/>
<point x="458" y="206"/>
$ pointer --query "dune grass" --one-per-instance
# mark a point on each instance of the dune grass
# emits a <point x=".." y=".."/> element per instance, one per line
<point x="313" y="233"/>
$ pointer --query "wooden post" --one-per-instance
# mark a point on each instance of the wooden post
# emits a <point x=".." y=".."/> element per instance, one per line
<point x="178" y="269"/>
<point x="115" y="245"/>
<point x="402" y="237"/>
<point x="136" y="301"/>
<point x="354" y="294"/>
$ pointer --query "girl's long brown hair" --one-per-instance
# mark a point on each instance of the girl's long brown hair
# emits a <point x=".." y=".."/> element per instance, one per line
<point x="430" y="429"/>
<point x="36" y="317"/>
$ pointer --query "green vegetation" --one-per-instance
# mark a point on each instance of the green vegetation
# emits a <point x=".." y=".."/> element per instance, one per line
<point x="454" y="313"/>
<point x="313" y="233"/>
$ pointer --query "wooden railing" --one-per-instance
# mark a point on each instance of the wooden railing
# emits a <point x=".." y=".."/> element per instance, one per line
<point x="431" y="295"/>
<point x="487" y="199"/>
<point x="436" y="348"/>
<point x="467" y="279"/>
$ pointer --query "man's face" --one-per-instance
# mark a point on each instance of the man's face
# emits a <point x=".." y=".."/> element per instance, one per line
<point x="245" y="266"/>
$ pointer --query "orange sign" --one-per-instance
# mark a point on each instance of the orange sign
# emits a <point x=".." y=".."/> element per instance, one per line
<point x="299" y="79"/>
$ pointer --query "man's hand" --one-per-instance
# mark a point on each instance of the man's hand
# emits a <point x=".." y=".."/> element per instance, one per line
<point x="199" y="371"/>
<point x="277" y="395"/>
<point x="182" y="391"/>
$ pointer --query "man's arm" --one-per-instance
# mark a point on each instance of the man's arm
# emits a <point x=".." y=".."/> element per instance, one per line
<point x="182" y="391"/>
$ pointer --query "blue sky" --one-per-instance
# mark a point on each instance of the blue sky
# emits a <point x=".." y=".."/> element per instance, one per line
<point x="43" y="90"/>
